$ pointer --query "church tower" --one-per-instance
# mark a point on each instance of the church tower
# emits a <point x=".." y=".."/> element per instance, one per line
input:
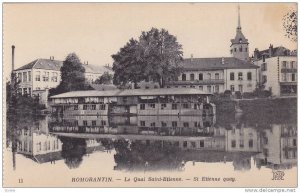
<point x="239" y="45"/>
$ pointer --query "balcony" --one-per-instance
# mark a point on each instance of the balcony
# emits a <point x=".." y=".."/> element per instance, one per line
<point x="288" y="70"/>
<point x="196" y="82"/>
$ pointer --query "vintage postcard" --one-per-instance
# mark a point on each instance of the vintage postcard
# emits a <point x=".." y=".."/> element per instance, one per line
<point x="150" y="95"/>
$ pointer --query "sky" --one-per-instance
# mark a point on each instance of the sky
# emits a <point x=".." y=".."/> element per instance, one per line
<point x="95" y="31"/>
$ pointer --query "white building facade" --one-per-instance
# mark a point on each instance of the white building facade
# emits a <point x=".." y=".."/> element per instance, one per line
<point x="277" y="70"/>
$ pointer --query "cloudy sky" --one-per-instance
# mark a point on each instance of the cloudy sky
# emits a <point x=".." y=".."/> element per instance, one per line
<point x="96" y="31"/>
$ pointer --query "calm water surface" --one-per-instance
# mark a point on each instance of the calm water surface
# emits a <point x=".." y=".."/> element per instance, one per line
<point x="97" y="145"/>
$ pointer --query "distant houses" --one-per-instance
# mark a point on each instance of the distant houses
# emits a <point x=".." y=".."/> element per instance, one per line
<point x="274" y="69"/>
<point x="278" y="70"/>
<point x="42" y="74"/>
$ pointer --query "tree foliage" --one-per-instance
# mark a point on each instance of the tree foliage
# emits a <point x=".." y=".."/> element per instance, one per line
<point x="105" y="78"/>
<point x="72" y="76"/>
<point x="290" y="24"/>
<point x="155" y="56"/>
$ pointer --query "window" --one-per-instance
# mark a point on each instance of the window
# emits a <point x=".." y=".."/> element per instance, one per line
<point x="185" y="144"/>
<point x="234" y="49"/>
<point x="142" y="123"/>
<point x="192" y="77"/>
<point x="200" y="76"/>
<point x="233" y="143"/>
<point x="163" y="124"/>
<point x="217" y="88"/>
<point x="231" y="75"/>
<point x="294" y="142"/>
<point x="209" y="89"/>
<point x="241" y="88"/>
<point x="217" y="76"/>
<point x="142" y="106"/>
<point x="29" y="76"/>
<point x="264" y="67"/>
<point x="185" y="124"/>
<point x="54" y="77"/>
<point x="284" y="64"/>
<point x="264" y="58"/>
<point x="208" y="76"/>
<point x="192" y="86"/>
<point x="183" y="77"/>
<point x="24" y="76"/>
<point x="102" y="107"/>
<point x="240" y="76"/>
<point x="293" y="64"/>
<point x="75" y="107"/>
<point x="38" y="76"/>
<point x="264" y="79"/>
<point x="232" y="88"/>
<point x="152" y="106"/>
<point x="46" y="77"/>
<point x="201" y="143"/>
<point x="84" y="123"/>
<point x="241" y="143"/>
<point x="193" y="144"/>
<point x="174" y="106"/>
<point x="174" y="124"/>
<point x="25" y="91"/>
<point x="293" y="77"/>
<point x="201" y="88"/>
<point x="164" y="105"/>
<point x="185" y="105"/>
<point x="103" y="122"/>
<point x="94" y="123"/>
<point x="84" y="107"/>
<point x="241" y="49"/>
<point x="284" y="77"/>
<point x="20" y="77"/>
<point x="93" y="107"/>
<point x="246" y="50"/>
<point x="250" y="143"/>
<point x="152" y="124"/>
<point x="249" y="76"/>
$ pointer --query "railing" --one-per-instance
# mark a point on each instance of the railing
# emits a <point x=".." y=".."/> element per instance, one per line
<point x="200" y="82"/>
<point x="288" y="70"/>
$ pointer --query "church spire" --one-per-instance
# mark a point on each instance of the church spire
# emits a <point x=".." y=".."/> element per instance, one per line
<point x="239" y="18"/>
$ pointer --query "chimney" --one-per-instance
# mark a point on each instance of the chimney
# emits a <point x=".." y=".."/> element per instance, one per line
<point x="223" y="60"/>
<point x="51" y="57"/>
<point x="256" y="52"/>
<point x="192" y="57"/>
<point x="270" y="50"/>
<point x="87" y="62"/>
<point x="12" y="58"/>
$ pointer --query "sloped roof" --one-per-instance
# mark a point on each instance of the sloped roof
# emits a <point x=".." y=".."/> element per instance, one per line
<point x="49" y="64"/>
<point x="43" y="64"/>
<point x="130" y="92"/>
<point x="90" y="68"/>
<point x="239" y="38"/>
<point x="216" y="64"/>
<point x="277" y="51"/>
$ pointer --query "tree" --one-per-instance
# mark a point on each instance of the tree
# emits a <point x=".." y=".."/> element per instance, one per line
<point x="156" y="56"/>
<point x="128" y="64"/>
<point x="290" y="24"/>
<point x="105" y="78"/>
<point x="72" y="76"/>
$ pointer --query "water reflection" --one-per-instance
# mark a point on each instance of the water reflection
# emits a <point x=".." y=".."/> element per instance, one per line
<point x="151" y="143"/>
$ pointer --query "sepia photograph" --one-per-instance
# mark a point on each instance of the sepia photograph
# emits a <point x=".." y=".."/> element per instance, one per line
<point x="150" y="95"/>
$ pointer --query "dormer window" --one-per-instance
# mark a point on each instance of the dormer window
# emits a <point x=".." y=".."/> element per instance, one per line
<point x="240" y="40"/>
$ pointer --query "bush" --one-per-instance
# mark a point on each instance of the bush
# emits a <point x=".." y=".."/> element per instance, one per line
<point x="227" y="93"/>
<point x="238" y="94"/>
<point x="248" y="95"/>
